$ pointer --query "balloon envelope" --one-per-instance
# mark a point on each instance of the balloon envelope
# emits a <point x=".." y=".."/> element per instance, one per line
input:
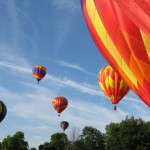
<point x="138" y="11"/>
<point x="122" y="40"/>
<point x="39" y="72"/>
<point x="112" y="84"/>
<point x="3" y="111"/>
<point x="59" y="103"/>
<point x="64" y="125"/>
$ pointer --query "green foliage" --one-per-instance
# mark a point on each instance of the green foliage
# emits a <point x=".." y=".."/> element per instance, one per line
<point x="79" y="145"/>
<point x="91" y="139"/>
<point x="59" y="141"/>
<point x="16" y="142"/>
<point x="45" y="146"/>
<point x="130" y="134"/>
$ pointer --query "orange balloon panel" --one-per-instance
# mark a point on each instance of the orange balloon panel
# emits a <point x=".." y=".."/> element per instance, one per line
<point x="122" y="41"/>
<point x="112" y="84"/>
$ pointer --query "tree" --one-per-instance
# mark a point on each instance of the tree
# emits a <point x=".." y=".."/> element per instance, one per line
<point x="129" y="134"/>
<point x="91" y="139"/>
<point x="59" y="141"/>
<point x="16" y="142"/>
<point x="45" y="146"/>
<point x="79" y="145"/>
<point x="7" y="143"/>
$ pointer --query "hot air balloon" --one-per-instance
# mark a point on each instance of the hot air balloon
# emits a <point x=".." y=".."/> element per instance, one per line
<point x="64" y="125"/>
<point x="3" y="111"/>
<point x="112" y="85"/>
<point x="122" y="35"/>
<point x="59" y="103"/>
<point x="39" y="72"/>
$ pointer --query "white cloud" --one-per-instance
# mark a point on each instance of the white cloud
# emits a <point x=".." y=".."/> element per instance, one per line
<point x="15" y="67"/>
<point x="74" y="66"/>
<point x="71" y="5"/>
<point x="63" y="30"/>
<point x="64" y="82"/>
<point x="82" y="87"/>
<point x="14" y="21"/>
<point x="10" y="55"/>
<point x="34" y="38"/>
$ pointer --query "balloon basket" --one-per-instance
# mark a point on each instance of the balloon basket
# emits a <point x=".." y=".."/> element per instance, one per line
<point x="115" y="108"/>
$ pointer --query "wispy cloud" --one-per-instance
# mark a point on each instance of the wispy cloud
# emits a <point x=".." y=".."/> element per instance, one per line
<point x="64" y="25"/>
<point x="15" y="67"/>
<point x="12" y="55"/>
<point x="82" y="87"/>
<point x="62" y="82"/>
<point x="71" y="5"/>
<point x="74" y="66"/>
<point x="14" y="21"/>
<point x="33" y="40"/>
<point x="63" y="30"/>
<point x="65" y="82"/>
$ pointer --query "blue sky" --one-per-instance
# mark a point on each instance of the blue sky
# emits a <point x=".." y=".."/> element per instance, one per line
<point x="53" y="33"/>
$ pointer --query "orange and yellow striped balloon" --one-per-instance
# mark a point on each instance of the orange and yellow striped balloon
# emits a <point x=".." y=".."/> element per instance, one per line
<point x="112" y="84"/>
<point x="59" y="103"/>
<point x="121" y="32"/>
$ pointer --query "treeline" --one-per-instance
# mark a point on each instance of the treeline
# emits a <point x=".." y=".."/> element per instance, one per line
<point x="129" y="134"/>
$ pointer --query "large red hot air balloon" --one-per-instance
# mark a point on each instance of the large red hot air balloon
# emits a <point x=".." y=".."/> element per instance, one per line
<point x="121" y="31"/>
<point x="112" y="84"/>
<point x="59" y="103"/>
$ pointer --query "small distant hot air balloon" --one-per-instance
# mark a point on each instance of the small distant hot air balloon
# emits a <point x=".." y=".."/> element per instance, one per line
<point x="112" y="85"/>
<point x="64" y="125"/>
<point x="3" y="111"/>
<point x="39" y="72"/>
<point x="59" y="103"/>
